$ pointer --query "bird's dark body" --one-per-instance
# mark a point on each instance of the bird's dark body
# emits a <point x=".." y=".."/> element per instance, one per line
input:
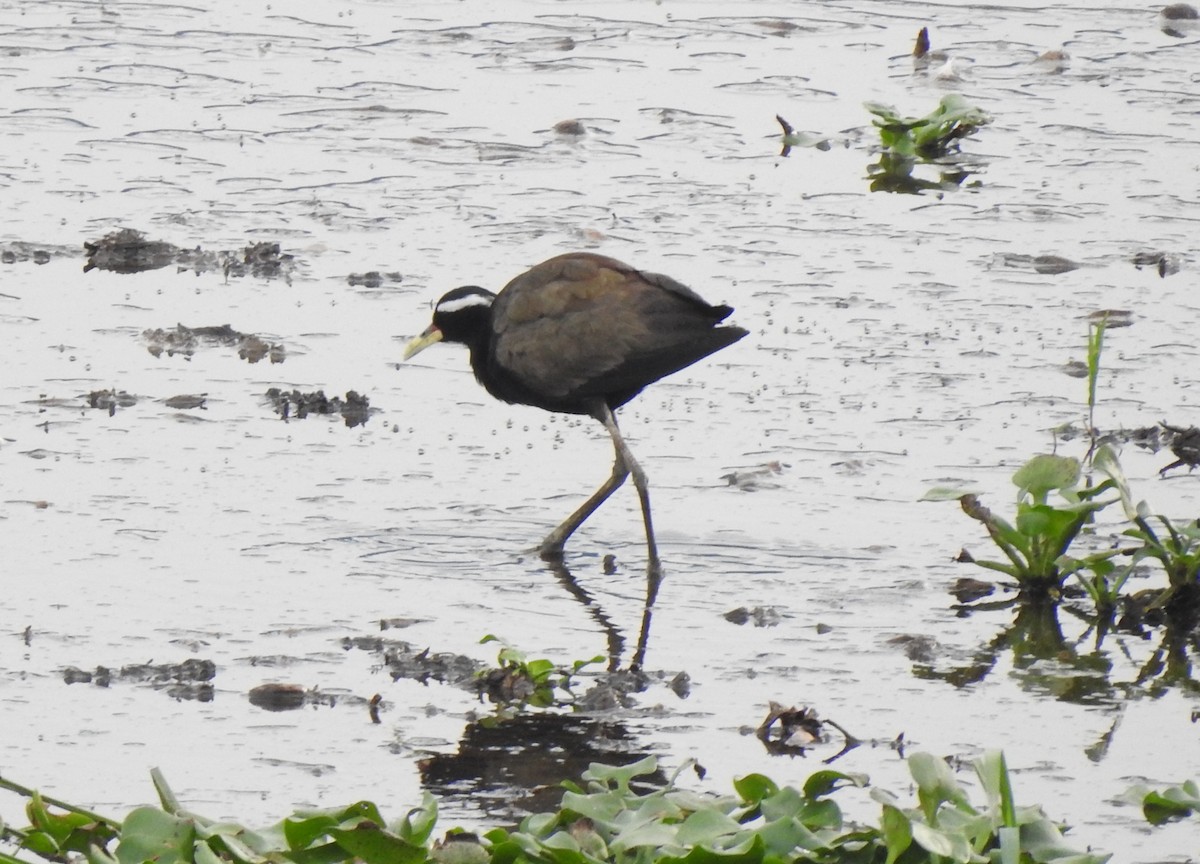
<point x="583" y="327"/>
<point x="582" y="334"/>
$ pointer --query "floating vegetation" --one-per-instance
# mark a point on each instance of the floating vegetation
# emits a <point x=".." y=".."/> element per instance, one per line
<point x="791" y="138"/>
<point x="355" y="408"/>
<point x="936" y="137"/>
<point x="128" y="250"/>
<point x="185" y="341"/>
<point x="618" y="814"/>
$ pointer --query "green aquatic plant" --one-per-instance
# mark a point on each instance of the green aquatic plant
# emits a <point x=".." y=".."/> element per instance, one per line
<point x="933" y="136"/>
<point x="1168" y="805"/>
<point x="610" y="817"/>
<point x="1176" y="548"/>
<point x="516" y="679"/>
<point x="1037" y="543"/>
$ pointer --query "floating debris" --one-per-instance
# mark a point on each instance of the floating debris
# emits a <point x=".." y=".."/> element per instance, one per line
<point x="372" y="279"/>
<point x="1044" y="264"/>
<point x="1053" y="62"/>
<point x="753" y="479"/>
<point x="190" y="680"/>
<point x="185" y="340"/>
<point x="570" y="128"/>
<point x="355" y="408"/>
<point x="1111" y="318"/>
<point x="110" y="400"/>
<point x="968" y="590"/>
<point x="129" y="251"/>
<point x="1179" y="20"/>
<point x="792" y="138"/>
<point x="186" y="402"/>
<point x="15" y="251"/>
<point x="1166" y="263"/>
<point x="761" y="616"/>
<point x="1185" y="444"/>
<point x="278" y="697"/>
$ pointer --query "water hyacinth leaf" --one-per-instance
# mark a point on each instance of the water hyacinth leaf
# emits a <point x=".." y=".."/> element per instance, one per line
<point x="373" y="845"/>
<point x="602" y="808"/>
<point x="997" y="785"/>
<point x="787" y="803"/>
<point x="642" y="833"/>
<point x="783" y="836"/>
<point x="935" y="784"/>
<point x="1042" y="520"/>
<point x="948" y="493"/>
<point x="418" y="824"/>
<point x="1042" y="841"/>
<point x="539" y="669"/>
<point x="828" y="781"/>
<point x="952" y="846"/>
<point x="897" y="832"/>
<point x="95" y="854"/>
<point x="751" y="852"/>
<point x="541" y="824"/>
<point x="1105" y="461"/>
<point x="205" y="855"/>
<point x="706" y="827"/>
<point x="150" y="834"/>
<point x="753" y="788"/>
<point x="1177" y="802"/>
<point x="231" y="841"/>
<point x="621" y="775"/>
<point x="1010" y="844"/>
<point x="821" y="814"/>
<point x="562" y="849"/>
<point x="1044" y="473"/>
<point x="300" y="833"/>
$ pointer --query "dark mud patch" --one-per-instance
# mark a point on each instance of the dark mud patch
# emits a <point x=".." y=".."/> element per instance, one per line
<point x="130" y="251"/>
<point x="355" y="408"/>
<point x="18" y="251"/>
<point x="190" y="680"/>
<point x="110" y="400"/>
<point x="402" y="660"/>
<point x="185" y="341"/>
<point x="373" y="279"/>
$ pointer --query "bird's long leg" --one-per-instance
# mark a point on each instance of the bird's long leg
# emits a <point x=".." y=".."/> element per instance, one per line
<point x="552" y="546"/>
<point x="625" y="455"/>
<point x="623" y="465"/>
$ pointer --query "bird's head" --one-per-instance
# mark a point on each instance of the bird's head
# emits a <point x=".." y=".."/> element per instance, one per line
<point x="462" y="315"/>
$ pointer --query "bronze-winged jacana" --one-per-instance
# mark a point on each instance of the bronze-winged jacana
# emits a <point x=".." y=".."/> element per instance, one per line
<point x="581" y="334"/>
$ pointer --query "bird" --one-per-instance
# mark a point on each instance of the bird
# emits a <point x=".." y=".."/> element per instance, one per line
<point x="581" y="333"/>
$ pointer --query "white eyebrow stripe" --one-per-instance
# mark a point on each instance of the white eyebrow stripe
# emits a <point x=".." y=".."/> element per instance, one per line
<point x="467" y="302"/>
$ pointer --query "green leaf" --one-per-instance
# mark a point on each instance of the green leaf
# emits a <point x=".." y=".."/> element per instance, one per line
<point x="753" y="788"/>
<point x="418" y="824"/>
<point x="301" y="833"/>
<point x="787" y="803"/>
<point x="621" y="775"/>
<point x="150" y="834"/>
<point x="1042" y="520"/>
<point x="374" y="845"/>
<point x="1159" y="808"/>
<point x="706" y="827"/>
<point x="1044" y="473"/>
<point x="897" y="832"/>
<point x="952" y="846"/>
<point x="828" y="781"/>
<point x="935" y="784"/>
<point x="948" y="493"/>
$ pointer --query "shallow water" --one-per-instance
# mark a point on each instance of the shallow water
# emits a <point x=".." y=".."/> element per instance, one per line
<point x="897" y="342"/>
